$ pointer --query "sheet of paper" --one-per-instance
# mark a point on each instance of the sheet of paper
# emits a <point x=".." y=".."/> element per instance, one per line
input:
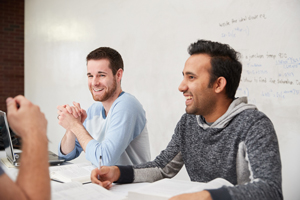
<point x="64" y="186"/>
<point x="72" y="167"/>
<point x="122" y="189"/>
<point x="88" y="191"/>
<point x="167" y="187"/>
<point x="72" y="171"/>
<point x="172" y="187"/>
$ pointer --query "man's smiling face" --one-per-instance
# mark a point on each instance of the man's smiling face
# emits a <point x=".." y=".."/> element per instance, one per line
<point x="101" y="81"/>
<point x="200" y="98"/>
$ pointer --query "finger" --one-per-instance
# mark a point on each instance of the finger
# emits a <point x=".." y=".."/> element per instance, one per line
<point x="59" y="107"/>
<point x="106" y="184"/>
<point x="77" y="111"/>
<point x="76" y="105"/>
<point x="104" y="170"/>
<point x="69" y="109"/>
<point x="98" y="182"/>
<point x="94" y="177"/>
<point x="73" y="111"/>
<point x="11" y="105"/>
<point x="21" y="100"/>
<point x="83" y="115"/>
<point x="9" y="99"/>
<point x="109" y="186"/>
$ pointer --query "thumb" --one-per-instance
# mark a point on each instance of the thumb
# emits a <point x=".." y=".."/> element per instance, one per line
<point x="103" y="170"/>
<point x="83" y="112"/>
<point x="11" y="105"/>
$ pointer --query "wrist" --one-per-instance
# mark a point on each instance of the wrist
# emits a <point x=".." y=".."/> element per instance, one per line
<point x="117" y="173"/>
<point x="74" y="126"/>
<point x="69" y="133"/>
<point x="35" y="141"/>
<point x="124" y="174"/>
<point x="34" y="135"/>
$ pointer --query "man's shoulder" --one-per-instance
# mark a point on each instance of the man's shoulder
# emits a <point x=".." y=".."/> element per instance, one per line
<point x="126" y="97"/>
<point x="253" y="117"/>
<point x="96" y="107"/>
<point x="126" y="100"/>
<point x="252" y="114"/>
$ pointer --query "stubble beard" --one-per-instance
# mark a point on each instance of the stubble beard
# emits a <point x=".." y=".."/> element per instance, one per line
<point x="111" y="91"/>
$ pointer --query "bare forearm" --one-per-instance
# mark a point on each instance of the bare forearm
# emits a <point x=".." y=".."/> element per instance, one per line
<point x="68" y="142"/>
<point x="33" y="176"/>
<point x="81" y="134"/>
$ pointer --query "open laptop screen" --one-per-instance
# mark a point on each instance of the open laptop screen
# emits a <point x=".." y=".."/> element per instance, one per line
<point x="4" y="129"/>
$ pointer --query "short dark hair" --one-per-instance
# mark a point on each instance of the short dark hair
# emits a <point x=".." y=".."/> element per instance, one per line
<point x="115" y="59"/>
<point x="224" y="61"/>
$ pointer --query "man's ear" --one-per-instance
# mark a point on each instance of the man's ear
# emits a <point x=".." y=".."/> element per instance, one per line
<point x="220" y="84"/>
<point x="119" y="75"/>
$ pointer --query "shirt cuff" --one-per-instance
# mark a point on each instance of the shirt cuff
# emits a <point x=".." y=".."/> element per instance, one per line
<point x="126" y="174"/>
<point x="68" y="156"/>
<point x="220" y="193"/>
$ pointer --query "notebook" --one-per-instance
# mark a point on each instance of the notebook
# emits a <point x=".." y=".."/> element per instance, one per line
<point x="14" y="158"/>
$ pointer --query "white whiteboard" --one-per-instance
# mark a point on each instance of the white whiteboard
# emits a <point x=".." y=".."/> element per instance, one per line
<point x="152" y="37"/>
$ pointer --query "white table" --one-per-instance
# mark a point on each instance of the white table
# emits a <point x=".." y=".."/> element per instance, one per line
<point x="117" y="189"/>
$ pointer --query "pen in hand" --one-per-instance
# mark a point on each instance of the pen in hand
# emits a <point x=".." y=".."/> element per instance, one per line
<point x="100" y="160"/>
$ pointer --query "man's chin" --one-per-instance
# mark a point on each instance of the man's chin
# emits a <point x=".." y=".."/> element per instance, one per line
<point x="190" y="111"/>
<point x="97" y="98"/>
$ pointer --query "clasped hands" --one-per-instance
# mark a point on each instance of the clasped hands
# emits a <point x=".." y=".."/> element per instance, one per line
<point x="68" y="115"/>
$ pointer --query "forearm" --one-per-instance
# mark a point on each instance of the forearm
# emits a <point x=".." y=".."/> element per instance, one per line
<point x="81" y="134"/>
<point x="33" y="176"/>
<point x="68" y="142"/>
<point x="151" y="171"/>
<point x="166" y="165"/>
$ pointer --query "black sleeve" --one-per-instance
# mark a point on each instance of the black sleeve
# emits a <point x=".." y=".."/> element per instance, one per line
<point x="126" y="174"/>
<point x="220" y="194"/>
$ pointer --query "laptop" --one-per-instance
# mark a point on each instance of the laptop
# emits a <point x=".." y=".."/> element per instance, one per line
<point x="12" y="157"/>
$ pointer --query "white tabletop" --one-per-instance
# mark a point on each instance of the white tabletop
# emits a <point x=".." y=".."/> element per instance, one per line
<point x="118" y="189"/>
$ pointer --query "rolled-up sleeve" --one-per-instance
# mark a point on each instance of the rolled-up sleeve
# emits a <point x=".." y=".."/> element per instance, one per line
<point x="73" y="154"/>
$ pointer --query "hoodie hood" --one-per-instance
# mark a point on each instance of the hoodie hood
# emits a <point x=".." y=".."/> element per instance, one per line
<point x="237" y="106"/>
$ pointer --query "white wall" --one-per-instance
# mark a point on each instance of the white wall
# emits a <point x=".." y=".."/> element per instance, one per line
<point x="152" y="37"/>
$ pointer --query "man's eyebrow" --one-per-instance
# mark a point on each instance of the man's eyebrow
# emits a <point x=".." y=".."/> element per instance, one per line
<point x="188" y="73"/>
<point x="99" y="72"/>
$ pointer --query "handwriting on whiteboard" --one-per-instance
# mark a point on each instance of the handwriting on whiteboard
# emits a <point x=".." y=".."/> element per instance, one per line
<point x="270" y="75"/>
<point x="243" y="19"/>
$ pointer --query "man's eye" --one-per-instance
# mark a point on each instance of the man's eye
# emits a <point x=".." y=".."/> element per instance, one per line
<point x="191" y="77"/>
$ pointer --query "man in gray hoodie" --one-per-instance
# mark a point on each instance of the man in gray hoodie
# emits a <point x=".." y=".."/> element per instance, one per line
<point x="220" y="136"/>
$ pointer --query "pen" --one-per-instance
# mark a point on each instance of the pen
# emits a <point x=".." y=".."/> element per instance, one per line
<point x="100" y="160"/>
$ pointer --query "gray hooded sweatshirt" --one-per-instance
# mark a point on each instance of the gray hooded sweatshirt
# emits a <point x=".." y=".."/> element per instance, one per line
<point x="241" y="147"/>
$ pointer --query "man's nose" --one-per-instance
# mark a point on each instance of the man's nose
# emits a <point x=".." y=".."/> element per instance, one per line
<point x="182" y="87"/>
<point x="95" y="81"/>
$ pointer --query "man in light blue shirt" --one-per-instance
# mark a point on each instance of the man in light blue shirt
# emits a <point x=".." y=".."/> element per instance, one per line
<point x="114" y="127"/>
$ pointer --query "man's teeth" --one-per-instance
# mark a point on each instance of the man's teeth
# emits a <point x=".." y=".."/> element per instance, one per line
<point x="188" y="97"/>
<point x="97" y="90"/>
